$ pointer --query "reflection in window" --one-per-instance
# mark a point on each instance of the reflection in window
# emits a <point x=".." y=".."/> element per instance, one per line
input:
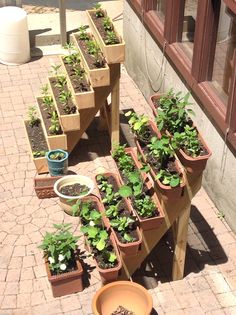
<point x="187" y="39"/>
<point x="225" y="46"/>
<point x="161" y="9"/>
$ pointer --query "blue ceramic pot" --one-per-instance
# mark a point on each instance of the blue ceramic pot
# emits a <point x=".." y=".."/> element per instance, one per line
<point x="57" y="167"/>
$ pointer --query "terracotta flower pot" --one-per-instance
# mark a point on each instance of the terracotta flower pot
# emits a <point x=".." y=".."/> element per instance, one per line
<point x="152" y="102"/>
<point x="155" y="221"/>
<point x="130" y="295"/>
<point x="127" y="249"/>
<point x="110" y="274"/>
<point x="66" y="283"/>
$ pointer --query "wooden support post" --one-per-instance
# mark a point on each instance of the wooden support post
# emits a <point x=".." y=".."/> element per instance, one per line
<point x="180" y="239"/>
<point x="62" y="9"/>
<point x="115" y="114"/>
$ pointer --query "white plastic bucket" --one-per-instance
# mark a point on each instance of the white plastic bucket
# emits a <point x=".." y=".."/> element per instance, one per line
<point x="14" y="36"/>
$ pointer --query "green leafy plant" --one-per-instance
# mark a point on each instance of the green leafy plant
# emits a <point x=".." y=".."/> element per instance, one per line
<point x="161" y="149"/>
<point x="121" y="224"/>
<point x="83" y="34"/>
<point x="72" y="59"/>
<point x="99" y="13"/>
<point x="168" y="178"/>
<point x="59" y="248"/>
<point x="173" y="112"/>
<point x="70" y="48"/>
<point x="48" y="104"/>
<point x="95" y="51"/>
<point x="61" y="82"/>
<point x="37" y="154"/>
<point x="188" y="141"/>
<point x="33" y="116"/>
<point x="139" y="125"/>
<point x="57" y="156"/>
<point x="79" y="72"/>
<point x="56" y="69"/>
<point x="55" y="127"/>
<point x="111" y="197"/>
<point x="111" y="38"/>
<point x="107" y="24"/>
<point x="45" y="89"/>
<point x="65" y="96"/>
<point x="145" y="206"/>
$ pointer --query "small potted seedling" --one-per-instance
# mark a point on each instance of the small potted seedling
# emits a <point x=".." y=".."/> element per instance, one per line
<point x="57" y="162"/>
<point x="62" y="262"/>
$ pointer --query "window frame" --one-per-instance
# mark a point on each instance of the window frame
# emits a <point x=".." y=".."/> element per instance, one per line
<point x="198" y="72"/>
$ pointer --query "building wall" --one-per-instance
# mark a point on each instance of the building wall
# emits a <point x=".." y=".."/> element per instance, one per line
<point x="145" y="64"/>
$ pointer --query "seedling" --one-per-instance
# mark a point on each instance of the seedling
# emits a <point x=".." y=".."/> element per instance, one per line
<point x="107" y="24"/>
<point x="45" y="89"/>
<point x="139" y="125"/>
<point x="37" y="154"/>
<point x="99" y="13"/>
<point x="168" y="179"/>
<point x="55" y="69"/>
<point x="48" y="104"/>
<point x="64" y="97"/>
<point x="111" y="38"/>
<point x="83" y="34"/>
<point x="61" y="82"/>
<point x="57" y="156"/>
<point x="33" y="116"/>
<point x="55" y="127"/>
<point x="72" y="59"/>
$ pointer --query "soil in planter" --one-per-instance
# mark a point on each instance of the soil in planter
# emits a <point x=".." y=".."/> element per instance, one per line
<point x="79" y="85"/>
<point x="46" y="118"/>
<point x="91" y="61"/>
<point x="98" y="21"/>
<point x="102" y="262"/>
<point x="70" y="105"/>
<point x="36" y="138"/>
<point x="122" y="311"/>
<point x="71" y="266"/>
<point x="74" y="190"/>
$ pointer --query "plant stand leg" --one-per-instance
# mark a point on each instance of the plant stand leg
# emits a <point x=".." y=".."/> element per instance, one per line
<point x="115" y="114"/>
<point x="180" y="239"/>
<point x="103" y="119"/>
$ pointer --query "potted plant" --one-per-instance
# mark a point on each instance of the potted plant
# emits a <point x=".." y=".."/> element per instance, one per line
<point x="112" y="300"/>
<point x="62" y="262"/>
<point x="157" y="152"/>
<point x="43" y="186"/>
<point x="37" y="141"/>
<point x="70" y="188"/>
<point x="99" y="242"/>
<point x="119" y="215"/>
<point x="140" y="190"/>
<point x="77" y="78"/>
<point x="66" y="108"/>
<point x="57" y="162"/>
<point x="51" y="125"/>
<point x="191" y="149"/>
<point x="111" y="43"/>
<point x="92" y="57"/>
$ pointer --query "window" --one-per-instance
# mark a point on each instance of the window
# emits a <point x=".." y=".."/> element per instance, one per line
<point x="160" y="9"/>
<point x="225" y="47"/>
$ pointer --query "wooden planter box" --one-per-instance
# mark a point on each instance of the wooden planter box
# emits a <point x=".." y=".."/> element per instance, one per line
<point x="69" y="122"/>
<point x="40" y="162"/>
<point x="113" y="53"/>
<point x="83" y="99"/>
<point x="54" y="141"/>
<point x="98" y="76"/>
<point x="44" y="186"/>
<point x="66" y="283"/>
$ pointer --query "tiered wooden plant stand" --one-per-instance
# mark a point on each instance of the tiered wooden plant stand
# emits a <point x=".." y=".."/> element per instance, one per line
<point x="176" y="217"/>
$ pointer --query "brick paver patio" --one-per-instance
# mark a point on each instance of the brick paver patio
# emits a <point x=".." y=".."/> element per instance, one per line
<point x="209" y="285"/>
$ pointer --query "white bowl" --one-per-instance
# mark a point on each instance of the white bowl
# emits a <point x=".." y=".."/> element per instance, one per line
<point x="70" y="180"/>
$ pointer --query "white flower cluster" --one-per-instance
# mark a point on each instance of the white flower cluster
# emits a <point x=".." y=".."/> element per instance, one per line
<point x="60" y="259"/>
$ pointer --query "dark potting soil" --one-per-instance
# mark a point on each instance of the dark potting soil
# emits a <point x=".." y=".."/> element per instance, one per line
<point x="102" y="259"/>
<point x="90" y="59"/>
<point x="122" y="311"/>
<point x="98" y="21"/>
<point x="36" y="137"/>
<point x="46" y="117"/>
<point x="79" y="85"/>
<point x="71" y="266"/>
<point x="56" y="91"/>
<point x="74" y="190"/>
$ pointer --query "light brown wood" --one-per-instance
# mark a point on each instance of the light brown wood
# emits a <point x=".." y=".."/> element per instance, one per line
<point x="98" y="77"/>
<point x="151" y="238"/>
<point x="41" y="162"/>
<point x="86" y="116"/>
<point x="180" y="240"/>
<point x="68" y="122"/>
<point x="113" y="53"/>
<point x="83" y="99"/>
<point x="53" y="141"/>
<point x="115" y="114"/>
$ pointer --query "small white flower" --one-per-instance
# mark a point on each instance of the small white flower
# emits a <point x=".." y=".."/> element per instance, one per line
<point x="61" y="257"/>
<point x="51" y="260"/>
<point x="91" y="223"/>
<point x="63" y="266"/>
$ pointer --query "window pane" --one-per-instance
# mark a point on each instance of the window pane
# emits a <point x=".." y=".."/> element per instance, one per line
<point x="190" y="14"/>
<point x="161" y="9"/>
<point x="225" y="46"/>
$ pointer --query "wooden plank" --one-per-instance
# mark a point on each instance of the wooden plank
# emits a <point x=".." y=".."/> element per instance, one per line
<point x="115" y="114"/>
<point x="180" y="239"/>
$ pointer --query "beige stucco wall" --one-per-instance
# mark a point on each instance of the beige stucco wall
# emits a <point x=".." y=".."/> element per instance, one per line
<point x="220" y="175"/>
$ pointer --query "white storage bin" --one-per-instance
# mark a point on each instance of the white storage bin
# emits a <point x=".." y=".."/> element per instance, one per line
<point x="14" y="36"/>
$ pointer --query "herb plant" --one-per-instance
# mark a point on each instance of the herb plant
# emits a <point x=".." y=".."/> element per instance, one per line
<point x="111" y="38"/>
<point x="55" y="127"/>
<point x="107" y="24"/>
<point x="99" y="13"/>
<point x="139" y="125"/>
<point x="59" y="248"/>
<point x="83" y="34"/>
<point x="33" y="116"/>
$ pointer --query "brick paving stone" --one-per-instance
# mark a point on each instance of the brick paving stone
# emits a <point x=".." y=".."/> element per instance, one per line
<point x="37" y="298"/>
<point x="15" y="263"/>
<point x="227" y="299"/>
<point x="19" y="251"/>
<point x="3" y="274"/>
<point x="11" y="288"/>
<point x="164" y="298"/>
<point x="198" y="284"/>
<point x="23" y="300"/>
<point x="207" y="300"/>
<point x="9" y="302"/>
<point x="27" y="274"/>
<point x="70" y="303"/>
<point x="2" y="287"/>
<point x="28" y="261"/>
<point x="40" y="271"/>
<point x="13" y="275"/>
<point x="217" y="283"/>
<point x="26" y="286"/>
